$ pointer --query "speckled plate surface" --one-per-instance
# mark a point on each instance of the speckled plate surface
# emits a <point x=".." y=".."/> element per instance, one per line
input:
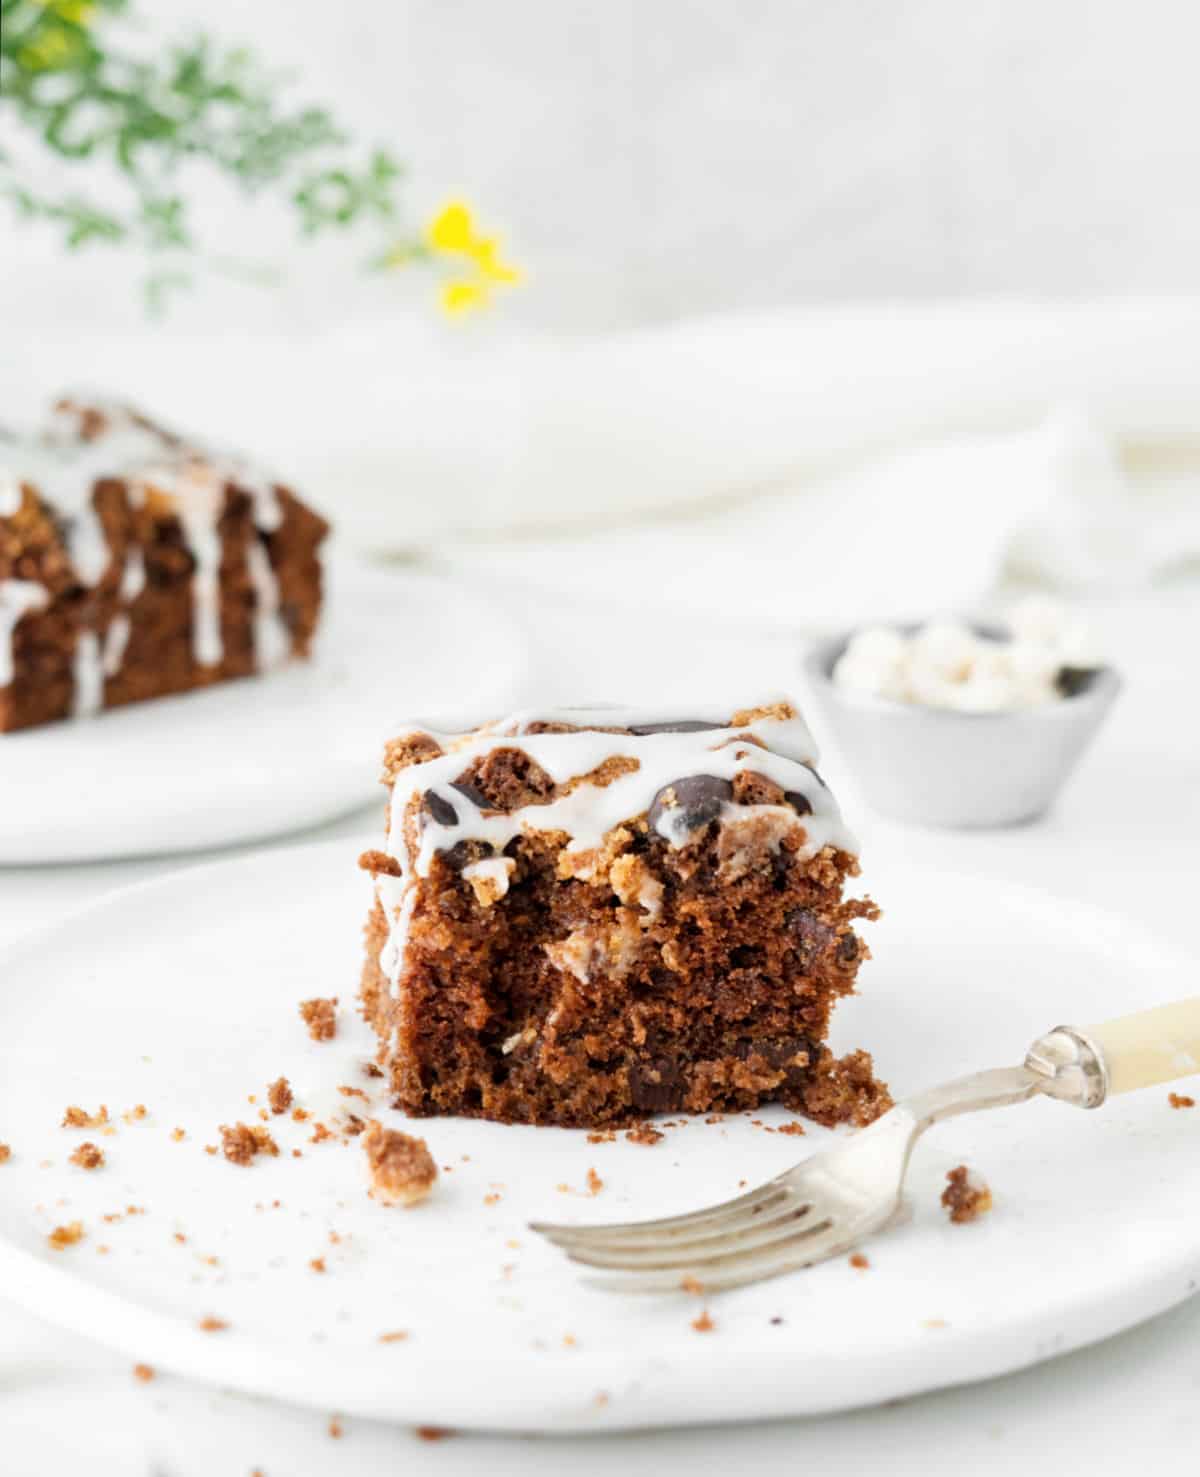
<point x="262" y="757"/>
<point x="181" y="995"/>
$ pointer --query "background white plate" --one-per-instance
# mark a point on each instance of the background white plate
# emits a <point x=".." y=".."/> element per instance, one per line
<point x="255" y="758"/>
<point x="182" y="994"/>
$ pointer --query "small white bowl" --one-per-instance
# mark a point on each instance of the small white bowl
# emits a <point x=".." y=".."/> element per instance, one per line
<point x="939" y="767"/>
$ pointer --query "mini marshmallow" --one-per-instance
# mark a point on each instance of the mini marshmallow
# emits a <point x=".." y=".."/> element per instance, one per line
<point x="947" y="665"/>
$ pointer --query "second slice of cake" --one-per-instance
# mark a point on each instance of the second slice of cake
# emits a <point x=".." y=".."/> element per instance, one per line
<point x="585" y="917"/>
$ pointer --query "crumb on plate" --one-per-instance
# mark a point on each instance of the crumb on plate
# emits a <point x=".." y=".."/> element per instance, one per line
<point x="320" y="1016"/>
<point x="241" y="1143"/>
<point x="401" y="1167"/>
<point x="966" y="1196"/>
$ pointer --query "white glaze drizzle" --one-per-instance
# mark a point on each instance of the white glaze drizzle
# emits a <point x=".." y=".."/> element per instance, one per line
<point x="272" y="640"/>
<point x="589" y="812"/>
<point x="10" y="495"/>
<point x="116" y="639"/>
<point x="88" y="697"/>
<point x="65" y="469"/>
<point x="17" y="599"/>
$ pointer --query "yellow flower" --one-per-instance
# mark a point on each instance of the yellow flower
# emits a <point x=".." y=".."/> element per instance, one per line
<point x="452" y="232"/>
<point x="484" y="252"/>
<point x="451" y="229"/>
<point x="462" y="296"/>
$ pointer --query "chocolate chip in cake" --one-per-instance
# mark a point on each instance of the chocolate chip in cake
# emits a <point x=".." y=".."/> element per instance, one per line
<point x="440" y="811"/>
<point x="801" y="804"/>
<point x="656" y="1087"/>
<point x="680" y="725"/>
<point x="792" y="1055"/>
<point x="812" y="935"/>
<point x="698" y="799"/>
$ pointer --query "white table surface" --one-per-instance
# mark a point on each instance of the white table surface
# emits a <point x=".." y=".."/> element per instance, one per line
<point x="1124" y="836"/>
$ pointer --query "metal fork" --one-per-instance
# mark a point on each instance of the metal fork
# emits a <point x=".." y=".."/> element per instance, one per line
<point x="833" y="1201"/>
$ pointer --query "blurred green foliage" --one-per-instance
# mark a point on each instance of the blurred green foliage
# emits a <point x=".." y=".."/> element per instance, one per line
<point x="79" y="76"/>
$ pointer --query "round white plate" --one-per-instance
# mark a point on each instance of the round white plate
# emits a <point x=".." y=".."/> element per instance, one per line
<point x="181" y="995"/>
<point x="256" y="758"/>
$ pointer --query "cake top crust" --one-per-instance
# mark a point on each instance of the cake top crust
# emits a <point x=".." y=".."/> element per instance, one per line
<point x="582" y="773"/>
<point x="87" y="441"/>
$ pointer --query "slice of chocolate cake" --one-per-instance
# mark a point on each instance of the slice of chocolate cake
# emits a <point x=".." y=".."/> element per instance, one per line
<point x="134" y="563"/>
<point x="585" y="917"/>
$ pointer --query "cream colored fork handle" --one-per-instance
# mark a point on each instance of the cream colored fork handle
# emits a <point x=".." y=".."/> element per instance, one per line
<point x="1151" y="1047"/>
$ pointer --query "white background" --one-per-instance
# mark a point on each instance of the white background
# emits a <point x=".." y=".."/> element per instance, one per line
<point x="655" y="159"/>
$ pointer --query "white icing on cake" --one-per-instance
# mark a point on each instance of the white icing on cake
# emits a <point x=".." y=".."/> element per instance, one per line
<point x="116" y="639"/>
<point x="89" y="676"/>
<point x="65" y="468"/>
<point x="272" y="641"/>
<point x="17" y="599"/>
<point x="10" y="495"/>
<point x="589" y="812"/>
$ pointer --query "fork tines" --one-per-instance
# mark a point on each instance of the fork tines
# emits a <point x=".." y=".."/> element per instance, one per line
<point x="769" y="1230"/>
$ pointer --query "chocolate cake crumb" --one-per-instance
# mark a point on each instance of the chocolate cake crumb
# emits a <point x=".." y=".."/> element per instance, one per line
<point x="241" y="1143"/>
<point x="396" y="1336"/>
<point x="210" y="1324"/>
<point x="1178" y="1100"/>
<point x="336" y="1429"/>
<point x="88" y="1156"/>
<point x="642" y="1133"/>
<point x="135" y="1114"/>
<point x="76" y="1118"/>
<point x="178" y="1135"/>
<point x="68" y="1235"/>
<point x="704" y="1323"/>
<point x="143" y="1372"/>
<point x="966" y="1196"/>
<point x="594" y="1183"/>
<point x="320" y="1016"/>
<point x="602" y="1136"/>
<point x="433" y="1433"/>
<point x="5" y="1153"/>
<point x="794" y="1128"/>
<point x="402" y="1169"/>
<point x="317" y="1264"/>
<point x="279" y="1096"/>
<point x="378" y="863"/>
<point x="859" y="1261"/>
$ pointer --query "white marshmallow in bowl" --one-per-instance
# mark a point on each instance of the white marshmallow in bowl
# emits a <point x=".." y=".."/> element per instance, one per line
<point x="945" y="664"/>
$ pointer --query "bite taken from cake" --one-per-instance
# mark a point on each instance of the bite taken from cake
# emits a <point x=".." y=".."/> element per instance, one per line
<point x="589" y="916"/>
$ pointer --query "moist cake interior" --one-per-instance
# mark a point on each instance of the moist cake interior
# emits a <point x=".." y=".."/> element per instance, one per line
<point x="586" y="922"/>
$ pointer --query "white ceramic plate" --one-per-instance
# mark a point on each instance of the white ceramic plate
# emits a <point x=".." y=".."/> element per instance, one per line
<point x="265" y="756"/>
<point x="181" y="995"/>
